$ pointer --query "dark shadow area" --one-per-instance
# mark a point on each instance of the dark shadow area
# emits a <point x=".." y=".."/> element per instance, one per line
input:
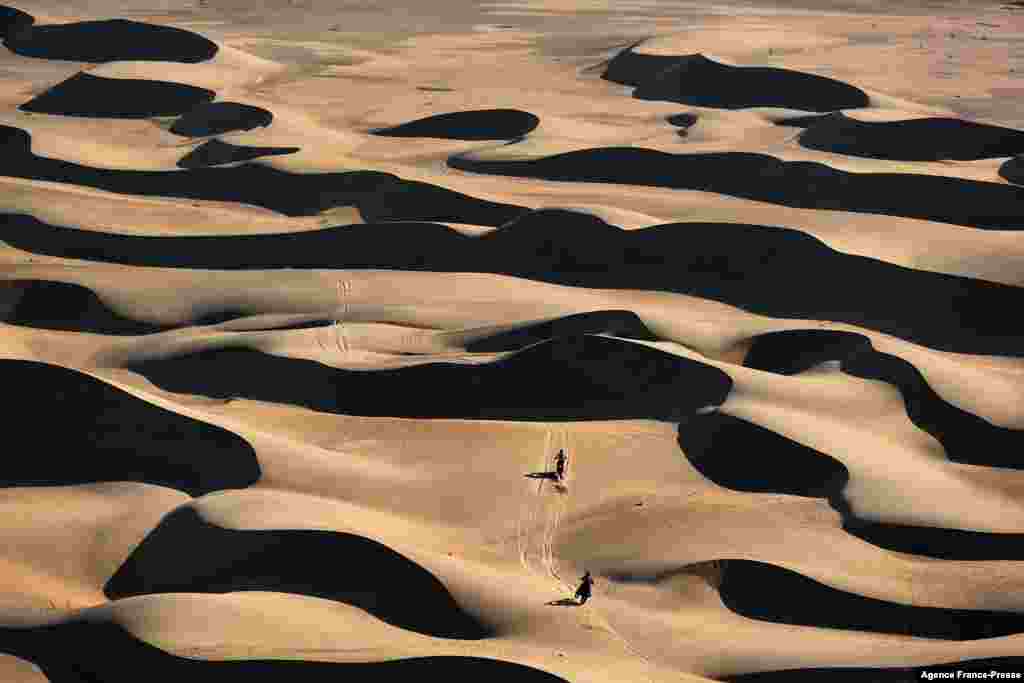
<point x="879" y="675"/>
<point x="798" y="184"/>
<point x="99" y="433"/>
<point x="616" y="323"/>
<point x="218" y="316"/>
<point x="410" y="200"/>
<point x="685" y="120"/>
<point x="103" y="652"/>
<point x="296" y="326"/>
<point x="701" y="82"/>
<point x="214" y="152"/>
<point x="563" y="602"/>
<point x="927" y="139"/>
<point x="336" y="566"/>
<point x="13" y="21"/>
<point x="397" y="245"/>
<point x="743" y="456"/>
<point x="943" y="544"/>
<point x="793" y="351"/>
<point x="1012" y="170"/>
<point x="110" y="40"/>
<point x="49" y="305"/>
<point x="763" y="591"/>
<point x="965" y="437"/>
<point x="778" y="272"/>
<point x="117" y="98"/>
<point x="215" y="118"/>
<point x="483" y="124"/>
<point x="563" y="246"/>
<point x="571" y="378"/>
<point x="802" y="121"/>
<point x="379" y="196"/>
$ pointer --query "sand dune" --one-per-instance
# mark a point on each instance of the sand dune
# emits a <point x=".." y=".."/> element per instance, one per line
<point x="215" y="153"/>
<point x="768" y="277"/>
<point x="924" y="139"/>
<point x="765" y="178"/>
<point x="93" y="443"/>
<point x="299" y="304"/>
<point x="103" y="41"/>
<point x="349" y="569"/>
<point x="579" y="383"/>
<point x="300" y="195"/>
<point x="87" y="95"/>
<point x="62" y="543"/>
<point x="960" y="432"/>
<point x="150" y="215"/>
<point x="106" y="651"/>
<point x="700" y="81"/>
<point x="984" y="385"/>
<point x="65" y="306"/>
<point x="220" y="117"/>
<point x="488" y="124"/>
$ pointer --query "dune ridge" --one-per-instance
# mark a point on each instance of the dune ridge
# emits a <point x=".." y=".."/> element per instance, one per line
<point x="579" y="384"/>
<point x="105" y="651"/>
<point x="54" y="305"/>
<point x="379" y="196"/>
<point x="348" y="569"/>
<point x="766" y="178"/>
<point x="569" y="248"/>
<point x="960" y="432"/>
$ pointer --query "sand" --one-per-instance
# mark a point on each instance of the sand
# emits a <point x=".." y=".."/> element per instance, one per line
<point x="291" y="300"/>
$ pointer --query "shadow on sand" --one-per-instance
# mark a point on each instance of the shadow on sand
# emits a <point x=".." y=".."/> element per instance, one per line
<point x="110" y="40"/>
<point x="121" y="98"/>
<point x="779" y="272"/>
<point x="90" y="651"/>
<point x="569" y="378"/>
<point x="564" y="602"/>
<point x="926" y="139"/>
<point x="763" y="591"/>
<point x="483" y="124"/>
<point x="49" y="305"/>
<point x="186" y="554"/>
<point x="797" y="184"/>
<point x="379" y="196"/>
<point x="100" y="433"/>
<point x="696" y="80"/>
<point x="215" y="118"/>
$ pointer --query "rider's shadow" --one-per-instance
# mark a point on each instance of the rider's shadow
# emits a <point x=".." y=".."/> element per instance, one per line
<point x="564" y="602"/>
<point x="558" y="486"/>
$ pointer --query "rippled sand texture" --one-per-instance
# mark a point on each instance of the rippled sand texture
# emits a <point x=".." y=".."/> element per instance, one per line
<point x="294" y="295"/>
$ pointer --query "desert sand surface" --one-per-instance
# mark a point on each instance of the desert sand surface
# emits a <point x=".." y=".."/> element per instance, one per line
<point x="295" y="298"/>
